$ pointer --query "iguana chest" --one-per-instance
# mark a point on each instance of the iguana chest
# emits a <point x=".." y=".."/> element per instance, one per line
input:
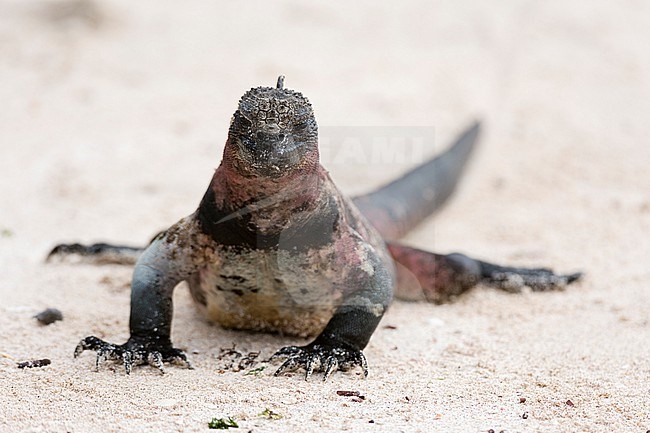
<point x="268" y="290"/>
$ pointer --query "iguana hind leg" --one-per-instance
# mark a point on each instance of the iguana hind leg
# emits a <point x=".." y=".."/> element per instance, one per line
<point x="99" y="253"/>
<point x="422" y="275"/>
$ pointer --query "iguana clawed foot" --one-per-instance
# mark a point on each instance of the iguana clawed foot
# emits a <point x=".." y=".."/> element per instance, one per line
<point x="326" y="356"/>
<point x="134" y="352"/>
<point x="515" y="279"/>
<point x="99" y="253"/>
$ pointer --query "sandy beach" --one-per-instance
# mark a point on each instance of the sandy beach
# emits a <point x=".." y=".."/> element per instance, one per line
<point x="114" y="116"/>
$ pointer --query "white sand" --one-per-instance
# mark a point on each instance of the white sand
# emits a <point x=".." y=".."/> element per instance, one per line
<point x="112" y="124"/>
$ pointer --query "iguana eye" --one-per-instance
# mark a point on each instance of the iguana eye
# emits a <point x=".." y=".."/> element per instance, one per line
<point x="244" y="122"/>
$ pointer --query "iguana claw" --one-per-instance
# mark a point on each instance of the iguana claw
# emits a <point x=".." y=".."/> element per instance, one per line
<point x="538" y="279"/>
<point x="320" y="357"/>
<point x="133" y="352"/>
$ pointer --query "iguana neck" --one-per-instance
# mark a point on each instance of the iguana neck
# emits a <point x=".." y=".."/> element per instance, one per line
<point x="235" y="190"/>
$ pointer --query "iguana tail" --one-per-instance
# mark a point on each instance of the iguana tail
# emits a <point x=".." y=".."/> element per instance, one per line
<point x="399" y="206"/>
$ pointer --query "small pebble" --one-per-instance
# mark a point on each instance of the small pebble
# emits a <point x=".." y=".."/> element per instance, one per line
<point x="34" y="363"/>
<point x="49" y="316"/>
<point x="348" y="393"/>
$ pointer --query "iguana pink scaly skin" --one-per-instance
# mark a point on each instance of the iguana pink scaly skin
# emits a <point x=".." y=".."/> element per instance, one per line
<point x="274" y="246"/>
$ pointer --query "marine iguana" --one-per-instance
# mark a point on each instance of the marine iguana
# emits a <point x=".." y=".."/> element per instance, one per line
<point x="274" y="246"/>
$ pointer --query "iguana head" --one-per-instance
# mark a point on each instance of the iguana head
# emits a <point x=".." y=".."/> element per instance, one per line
<point x="273" y="132"/>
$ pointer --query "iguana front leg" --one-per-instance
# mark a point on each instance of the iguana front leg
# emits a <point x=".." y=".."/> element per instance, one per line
<point x="339" y="346"/>
<point x="166" y="262"/>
